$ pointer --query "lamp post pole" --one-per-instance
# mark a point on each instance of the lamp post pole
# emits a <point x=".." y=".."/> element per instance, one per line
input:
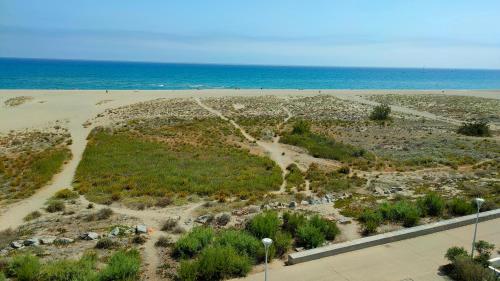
<point x="479" y="202"/>
<point x="267" y="242"/>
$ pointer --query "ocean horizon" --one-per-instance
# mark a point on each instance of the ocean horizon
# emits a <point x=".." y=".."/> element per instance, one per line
<point x="22" y="73"/>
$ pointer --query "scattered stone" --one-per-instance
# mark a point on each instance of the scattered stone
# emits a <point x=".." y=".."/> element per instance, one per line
<point x="89" y="236"/>
<point x="292" y="205"/>
<point x="31" y="242"/>
<point x="223" y="219"/>
<point x="304" y="202"/>
<point x="115" y="231"/>
<point x="204" y="219"/>
<point x="17" y="244"/>
<point x="47" y="240"/>
<point x="141" y="229"/>
<point x="379" y="191"/>
<point x="253" y="209"/>
<point x="344" y="220"/>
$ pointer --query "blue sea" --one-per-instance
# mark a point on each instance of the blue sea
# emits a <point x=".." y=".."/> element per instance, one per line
<point x="77" y="74"/>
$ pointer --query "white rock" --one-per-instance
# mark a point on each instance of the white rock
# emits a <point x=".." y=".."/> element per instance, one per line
<point x="47" y="240"/>
<point x="115" y="231"/>
<point x="90" y="236"/>
<point x="141" y="229"/>
<point x="17" y="244"/>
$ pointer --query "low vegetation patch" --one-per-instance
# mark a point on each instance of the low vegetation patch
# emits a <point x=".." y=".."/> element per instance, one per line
<point x="122" y="266"/>
<point x="230" y="253"/>
<point x="295" y="178"/>
<point x="33" y="215"/>
<point x="66" y="194"/>
<point x="321" y="146"/>
<point x="475" y="129"/>
<point x="380" y="112"/>
<point x="408" y="213"/>
<point x="463" y="268"/>
<point x="120" y="166"/>
<point x="16" y="101"/>
<point x="331" y="181"/>
<point x="22" y="174"/>
<point x="55" y="206"/>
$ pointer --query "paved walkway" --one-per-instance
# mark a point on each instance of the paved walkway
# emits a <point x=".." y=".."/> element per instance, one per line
<point x="414" y="259"/>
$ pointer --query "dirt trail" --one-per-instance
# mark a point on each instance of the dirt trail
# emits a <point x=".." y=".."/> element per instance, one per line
<point x="15" y="213"/>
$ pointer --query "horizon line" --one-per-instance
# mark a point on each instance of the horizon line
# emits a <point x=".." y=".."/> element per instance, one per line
<point x="246" y="64"/>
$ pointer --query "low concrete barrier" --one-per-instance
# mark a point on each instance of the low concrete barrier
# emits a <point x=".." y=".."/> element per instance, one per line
<point x="389" y="237"/>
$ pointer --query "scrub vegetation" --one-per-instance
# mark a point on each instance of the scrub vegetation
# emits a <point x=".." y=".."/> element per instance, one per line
<point x="321" y="146"/>
<point x="183" y="157"/>
<point x="230" y="253"/>
<point x="122" y="266"/>
<point x="21" y="176"/>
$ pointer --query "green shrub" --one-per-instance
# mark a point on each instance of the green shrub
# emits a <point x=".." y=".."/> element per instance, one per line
<point x="380" y="112"/>
<point x="122" y="266"/>
<point x="292" y="221"/>
<point x="328" y="228"/>
<point x="465" y="269"/>
<point x="484" y="252"/>
<point x="139" y="239"/>
<point x="106" y="243"/>
<point x="66" y="194"/>
<point x="163" y="242"/>
<point x="218" y="263"/>
<point x="324" y="147"/>
<point x="188" y="270"/>
<point x="295" y="177"/>
<point x="24" y="268"/>
<point x="33" y="215"/>
<point x="460" y="207"/>
<point x="192" y="243"/>
<point x="281" y="244"/>
<point x="454" y="252"/>
<point x="104" y="214"/>
<point x="432" y="204"/>
<point x="401" y="211"/>
<point x="371" y="220"/>
<point x="243" y="242"/>
<point x="264" y="225"/>
<point x="68" y="270"/>
<point x="55" y="206"/>
<point x="301" y="127"/>
<point x="169" y="224"/>
<point x="2" y="276"/>
<point x="475" y="129"/>
<point x="309" y="236"/>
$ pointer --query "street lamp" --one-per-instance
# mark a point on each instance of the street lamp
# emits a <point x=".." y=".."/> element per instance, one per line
<point x="267" y="242"/>
<point x="479" y="202"/>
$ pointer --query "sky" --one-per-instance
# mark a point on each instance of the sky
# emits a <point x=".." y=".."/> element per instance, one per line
<point x="382" y="33"/>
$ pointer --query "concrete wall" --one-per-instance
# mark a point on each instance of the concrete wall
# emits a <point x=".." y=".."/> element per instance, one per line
<point x="389" y="237"/>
